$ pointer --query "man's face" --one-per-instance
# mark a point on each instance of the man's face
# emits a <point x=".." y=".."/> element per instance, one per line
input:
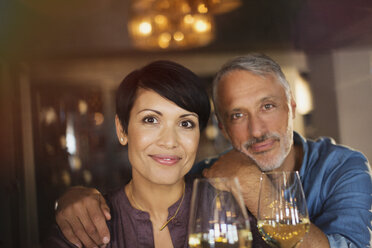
<point x="256" y="117"/>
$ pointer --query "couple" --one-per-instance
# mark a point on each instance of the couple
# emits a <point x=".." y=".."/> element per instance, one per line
<point x="161" y="110"/>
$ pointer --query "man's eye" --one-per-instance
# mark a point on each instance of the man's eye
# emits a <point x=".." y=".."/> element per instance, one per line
<point x="150" y="119"/>
<point x="268" y="106"/>
<point x="187" y="124"/>
<point x="236" y="116"/>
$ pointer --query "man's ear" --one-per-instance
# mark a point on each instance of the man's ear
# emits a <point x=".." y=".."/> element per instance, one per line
<point x="293" y="105"/>
<point x="123" y="139"/>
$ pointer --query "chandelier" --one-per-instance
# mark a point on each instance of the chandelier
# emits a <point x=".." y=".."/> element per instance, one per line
<point x="175" y="24"/>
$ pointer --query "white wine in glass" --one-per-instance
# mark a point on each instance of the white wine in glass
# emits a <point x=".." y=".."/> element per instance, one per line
<point x="282" y="217"/>
<point x="218" y="217"/>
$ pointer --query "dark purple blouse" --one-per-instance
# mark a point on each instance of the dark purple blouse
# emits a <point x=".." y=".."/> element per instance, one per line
<point x="130" y="227"/>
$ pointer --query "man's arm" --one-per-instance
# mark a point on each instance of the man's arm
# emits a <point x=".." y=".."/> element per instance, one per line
<point x="81" y="215"/>
<point x="236" y="164"/>
<point x="345" y="200"/>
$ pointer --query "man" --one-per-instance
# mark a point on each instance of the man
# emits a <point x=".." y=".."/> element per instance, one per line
<point x="255" y="109"/>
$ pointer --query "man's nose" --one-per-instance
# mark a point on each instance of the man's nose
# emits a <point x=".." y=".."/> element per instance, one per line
<point x="257" y="126"/>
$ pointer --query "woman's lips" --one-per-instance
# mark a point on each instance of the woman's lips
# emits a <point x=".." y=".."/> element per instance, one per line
<point x="168" y="160"/>
<point x="263" y="146"/>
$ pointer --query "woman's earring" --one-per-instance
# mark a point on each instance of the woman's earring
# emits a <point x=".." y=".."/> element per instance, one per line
<point x="121" y="139"/>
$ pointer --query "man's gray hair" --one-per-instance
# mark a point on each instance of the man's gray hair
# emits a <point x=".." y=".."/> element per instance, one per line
<point x="258" y="64"/>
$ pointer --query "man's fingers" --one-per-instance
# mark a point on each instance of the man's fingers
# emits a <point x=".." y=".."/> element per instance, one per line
<point x="85" y="239"/>
<point x="85" y="212"/>
<point x="78" y="230"/>
<point x="69" y="234"/>
<point x="78" y="227"/>
<point x="98" y="218"/>
<point x="88" y="220"/>
<point x="105" y="209"/>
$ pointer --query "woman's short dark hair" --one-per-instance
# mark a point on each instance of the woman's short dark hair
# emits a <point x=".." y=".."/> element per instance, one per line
<point x="170" y="80"/>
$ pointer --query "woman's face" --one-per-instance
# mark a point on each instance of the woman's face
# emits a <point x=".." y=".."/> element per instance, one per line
<point x="162" y="139"/>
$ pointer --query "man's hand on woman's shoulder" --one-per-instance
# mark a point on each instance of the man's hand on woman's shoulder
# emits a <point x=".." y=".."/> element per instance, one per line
<point x="81" y="215"/>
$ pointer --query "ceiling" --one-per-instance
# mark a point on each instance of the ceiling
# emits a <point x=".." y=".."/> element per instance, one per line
<point x="98" y="27"/>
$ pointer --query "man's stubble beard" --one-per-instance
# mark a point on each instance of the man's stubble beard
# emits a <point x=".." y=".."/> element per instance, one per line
<point x="286" y="142"/>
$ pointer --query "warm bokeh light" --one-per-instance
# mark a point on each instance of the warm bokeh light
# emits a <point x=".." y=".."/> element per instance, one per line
<point x="178" y="36"/>
<point x="75" y="162"/>
<point x="70" y="136"/>
<point x="223" y="6"/>
<point x="98" y="118"/>
<point x="83" y="107"/>
<point x="186" y="24"/>
<point x="202" y="8"/>
<point x="66" y="178"/>
<point x="63" y="142"/>
<point x="164" y="40"/>
<point x="202" y="26"/>
<point x="161" y="21"/>
<point x="211" y="132"/>
<point x="185" y="7"/>
<point x="49" y="115"/>
<point x="163" y="44"/>
<point x="304" y="99"/>
<point x="188" y="19"/>
<point x="87" y="175"/>
<point x="145" y="28"/>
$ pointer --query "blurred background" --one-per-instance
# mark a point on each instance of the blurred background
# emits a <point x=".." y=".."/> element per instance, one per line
<point x="61" y="61"/>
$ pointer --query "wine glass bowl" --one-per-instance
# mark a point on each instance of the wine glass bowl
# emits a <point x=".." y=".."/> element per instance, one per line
<point x="282" y="217"/>
<point x="218" y="217"/>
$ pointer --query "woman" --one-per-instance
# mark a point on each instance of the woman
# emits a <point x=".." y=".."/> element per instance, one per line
<point x="160" y="112"/>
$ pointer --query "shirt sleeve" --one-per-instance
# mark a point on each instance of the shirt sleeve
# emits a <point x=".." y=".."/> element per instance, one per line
<point x="198" y="168"/>
<point x="347" y="198"/>
<point x="338" y="241"/>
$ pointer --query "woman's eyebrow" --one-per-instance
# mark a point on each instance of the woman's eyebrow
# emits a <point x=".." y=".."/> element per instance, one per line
<point x="151" y="110"/>
<point x="160" y="113"/>
<point x="192" y="114"/>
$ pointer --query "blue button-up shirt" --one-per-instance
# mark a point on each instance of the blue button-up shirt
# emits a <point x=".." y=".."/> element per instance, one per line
<point x="338" y="188"/>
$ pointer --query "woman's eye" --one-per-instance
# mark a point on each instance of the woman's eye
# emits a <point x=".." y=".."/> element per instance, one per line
<point x="150" y="119"/>
<point x="187" y="124"/>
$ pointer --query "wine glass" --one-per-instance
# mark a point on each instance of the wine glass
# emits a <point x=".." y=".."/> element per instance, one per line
<point x="218" y="217"/>
<point x="282" y="217"/>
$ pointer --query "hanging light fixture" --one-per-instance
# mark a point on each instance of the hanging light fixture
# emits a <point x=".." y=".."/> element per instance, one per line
<point x="173" y="24"/>
<point x="216" y="6"/>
